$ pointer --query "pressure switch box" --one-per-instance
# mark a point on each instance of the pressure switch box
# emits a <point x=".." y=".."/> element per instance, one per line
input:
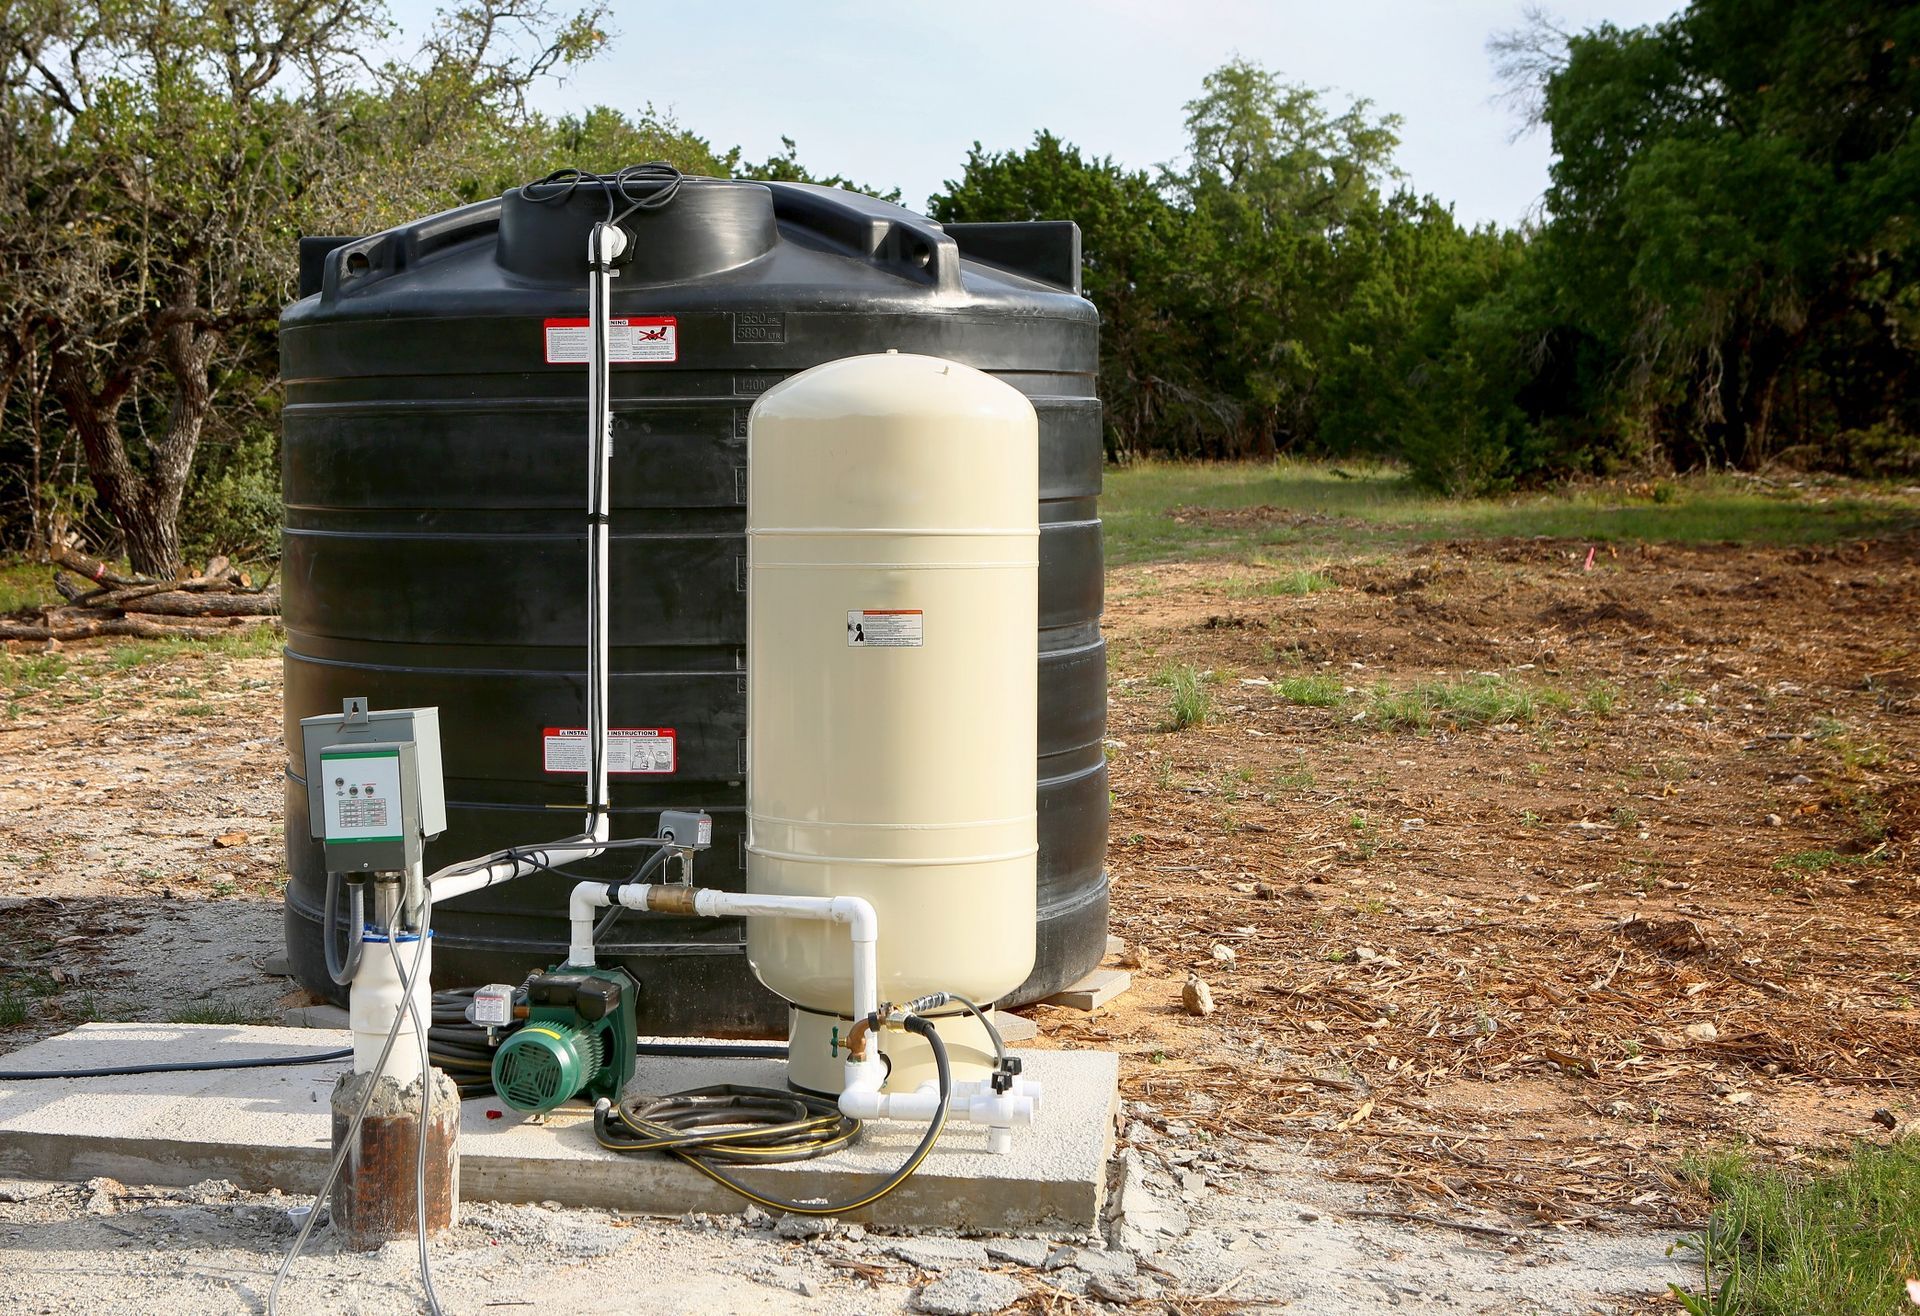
<point x="374" y="789"/>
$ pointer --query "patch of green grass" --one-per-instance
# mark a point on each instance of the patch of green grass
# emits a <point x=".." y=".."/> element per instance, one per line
<point x="1809" y="862"/>
<point x="84" y="1009"/>
<point x="13" y="1010"/>
<point x="25" y="584"/>
<point x="1313" y="691"/>
<point x="1397" y="710"/>
<point x="1478" y="701"/>
<point x="1192" y="702"/>
<point x="29" y="986"/>
<point x="22" y="673"/>
<point x="241" y="642"/>
<point x="209" y="1012"/>
<point x="1290" y="583"/>
<point x="1838" y="739"/>
<point x="1601" y="700"/>
<point x="1840" y="1243"/>
<point x="1366" y="836"/>
<point x="1240" y="509"/>
<point x="1870" y="817"/>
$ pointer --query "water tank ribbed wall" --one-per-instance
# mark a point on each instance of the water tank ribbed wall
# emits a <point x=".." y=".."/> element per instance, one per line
<point x="434" y="551"/>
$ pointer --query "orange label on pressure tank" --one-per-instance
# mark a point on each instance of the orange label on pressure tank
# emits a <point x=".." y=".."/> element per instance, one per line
<point x="886" y="628"/>
<point x="629" y="339"/>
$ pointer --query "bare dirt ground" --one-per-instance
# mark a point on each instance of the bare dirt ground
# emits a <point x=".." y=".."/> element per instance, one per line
<point x="1526" y="967"/>
<point x="140" y="840"/>
<point x="1503" y="977"/>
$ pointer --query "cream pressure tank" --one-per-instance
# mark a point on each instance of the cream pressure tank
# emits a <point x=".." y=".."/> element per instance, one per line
<point x="892" y="549"/>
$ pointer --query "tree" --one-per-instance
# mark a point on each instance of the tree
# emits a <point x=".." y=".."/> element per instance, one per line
<point x="1128" y="234"/>
<point x="1274" y="181"/>
<point x="786" y="168"/>
<point x="163" y="158"/>
<point x="1732" y="214"/>
<point x="1415" y="277"/>
<point x="1524" y="60"/>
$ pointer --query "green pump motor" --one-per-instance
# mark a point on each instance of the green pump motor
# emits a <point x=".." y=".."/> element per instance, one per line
<point x="578" y="1039"/>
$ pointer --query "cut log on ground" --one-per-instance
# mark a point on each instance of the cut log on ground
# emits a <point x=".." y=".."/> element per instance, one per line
<point x="219" y="597"/>
<point x="143" y="628"/>
<point x="91" y="567"/>
<point x="177" y="603"/>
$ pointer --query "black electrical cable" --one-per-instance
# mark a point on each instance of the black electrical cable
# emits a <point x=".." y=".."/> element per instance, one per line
<point x="459" y="1047"/>
<point x="180" y="1066"/>
<point x="719" y="1051"/>
<point x="730" y="1125"/>
<point x="614" y="907"/>
<point x="664" y="179"/>
<point x="525" y="854"/>
<point x="560" y="186"/>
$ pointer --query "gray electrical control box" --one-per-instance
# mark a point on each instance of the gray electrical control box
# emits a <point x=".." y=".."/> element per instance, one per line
<point x="374" y="788"/>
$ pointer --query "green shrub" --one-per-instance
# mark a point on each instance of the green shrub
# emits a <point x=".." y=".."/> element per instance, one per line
<point x="233" y="502"/>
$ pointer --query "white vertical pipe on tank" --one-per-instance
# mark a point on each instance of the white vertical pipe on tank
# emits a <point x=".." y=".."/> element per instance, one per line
<point x="604" y="246"/>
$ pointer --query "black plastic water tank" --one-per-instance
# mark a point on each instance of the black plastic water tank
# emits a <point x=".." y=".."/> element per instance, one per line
<point x="434" y="553"/>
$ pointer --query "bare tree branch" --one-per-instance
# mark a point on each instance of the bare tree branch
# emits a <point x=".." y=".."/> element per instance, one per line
<point x="1524" y="59"/>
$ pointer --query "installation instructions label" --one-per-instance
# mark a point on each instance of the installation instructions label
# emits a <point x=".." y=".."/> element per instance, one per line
<point x="886" y="628"/>
<point x="631" y="750"/>
<point x="629" y="339"/>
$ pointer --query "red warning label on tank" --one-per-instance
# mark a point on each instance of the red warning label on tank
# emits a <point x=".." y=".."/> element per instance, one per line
<point x="634" y="751"/>
<point x="886" y="628"/>
<point x="634" y="338"/>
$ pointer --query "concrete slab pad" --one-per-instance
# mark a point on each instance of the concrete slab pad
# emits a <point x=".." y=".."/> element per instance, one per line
<point x="265" y="1128"/>
<point x="1015" y="1027"/>
<point x="316" y="1016"/>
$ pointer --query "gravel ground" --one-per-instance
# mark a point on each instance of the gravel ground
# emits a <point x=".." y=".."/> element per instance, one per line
<point x="1195" y="1227"/>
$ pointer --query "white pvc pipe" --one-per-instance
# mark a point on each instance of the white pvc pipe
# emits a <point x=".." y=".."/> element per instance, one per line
<point x="604" y="246"/>
<point x="972" y="1102"/>
<point x="852" y="912"/>
<point x="505" y="865"/>
<point x="379" y="993"/>
<point x="861" y="1098"/>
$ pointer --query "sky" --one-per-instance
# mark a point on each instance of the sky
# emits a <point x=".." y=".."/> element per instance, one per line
<point x="894" y="94"/>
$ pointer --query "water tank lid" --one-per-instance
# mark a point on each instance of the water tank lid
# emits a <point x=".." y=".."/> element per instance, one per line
<point x="710" y="225"/>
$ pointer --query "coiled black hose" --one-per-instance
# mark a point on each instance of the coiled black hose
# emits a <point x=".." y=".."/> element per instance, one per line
<point x="728" y="1125"/>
